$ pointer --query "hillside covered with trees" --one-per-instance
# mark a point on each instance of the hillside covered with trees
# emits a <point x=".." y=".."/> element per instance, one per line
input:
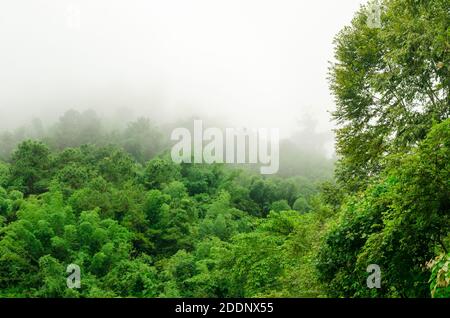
<point x="112" y="201"/>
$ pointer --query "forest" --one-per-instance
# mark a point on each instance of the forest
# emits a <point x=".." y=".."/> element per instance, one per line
<point x="111" y="200"/>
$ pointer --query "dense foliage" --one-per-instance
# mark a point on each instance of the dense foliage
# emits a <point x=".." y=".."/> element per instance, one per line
<point x="113" y="202"/>
<point x="391" y="84"/>
<point x="399" y="223"/>
<point x="392" y="92"/>
<point x="160" y="229"/>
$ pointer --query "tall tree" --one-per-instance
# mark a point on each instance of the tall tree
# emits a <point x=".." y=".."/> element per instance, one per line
<point x="391" y="84"/>
<point x="30" y="167"/>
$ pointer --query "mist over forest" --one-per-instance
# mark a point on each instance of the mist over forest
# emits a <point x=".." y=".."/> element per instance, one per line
<point x="94" y="205"/>
<point x="304" y="153"/>
<point x="248" y="63"/>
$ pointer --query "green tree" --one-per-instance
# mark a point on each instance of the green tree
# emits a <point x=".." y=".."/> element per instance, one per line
<point x="391" y="84"/>
<point x="160" y="171"/>
<point x="74" y="129"/>
<point x="30" y="167"/>
<point x="399" y="223"/>
<point x="440" y="276"/>
<point x="5" y="174"/>
<point x="142" y="140"/>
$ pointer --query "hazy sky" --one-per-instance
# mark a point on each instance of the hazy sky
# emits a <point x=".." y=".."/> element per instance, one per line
<point x="256" y="62"/>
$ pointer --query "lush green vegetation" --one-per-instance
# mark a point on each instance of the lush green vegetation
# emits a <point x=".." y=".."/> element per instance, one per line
<point x="113" y="202"/>
<point x="158" y="229"/>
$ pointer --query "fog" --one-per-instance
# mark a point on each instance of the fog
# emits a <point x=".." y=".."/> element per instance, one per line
<point x="252" y="63"/>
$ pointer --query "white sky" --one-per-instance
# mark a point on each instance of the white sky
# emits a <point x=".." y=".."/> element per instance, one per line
<point x="256" y="62"/>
